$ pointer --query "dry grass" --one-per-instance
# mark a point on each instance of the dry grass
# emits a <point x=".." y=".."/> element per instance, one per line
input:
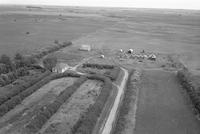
<point x="64" y="120"/>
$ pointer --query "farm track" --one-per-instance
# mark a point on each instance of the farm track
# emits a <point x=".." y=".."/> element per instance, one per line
<point x="14" y="120"/>
<point x="107" y="127"/>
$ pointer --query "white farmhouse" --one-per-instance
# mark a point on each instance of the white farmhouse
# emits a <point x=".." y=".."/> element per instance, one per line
<point x="60" y="67"/>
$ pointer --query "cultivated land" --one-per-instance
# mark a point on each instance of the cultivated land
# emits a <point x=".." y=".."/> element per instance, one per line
<point x="15" y="120"/>
<point x="153" y="101"/>
<point x="162" y="107"/>
<point x="64" y="120"/>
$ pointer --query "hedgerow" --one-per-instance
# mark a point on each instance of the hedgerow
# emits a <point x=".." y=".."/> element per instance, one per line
<point x="47" y="111"/>
<point x="3" y="68"/>
<point x="185" y="79"/>
<point x="113" y="73"/>
<point x="51" y="49"/>
<point x="88" y="120"/>
<point x="8" y="78"/>
<point x="98" y="66"/>
<point x="10" y="99"/>
<point x="19" y="88"/>
<point x="15" y="97"/>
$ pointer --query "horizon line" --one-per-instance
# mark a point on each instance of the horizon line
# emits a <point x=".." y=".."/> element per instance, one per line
<point x="114" y="7"/>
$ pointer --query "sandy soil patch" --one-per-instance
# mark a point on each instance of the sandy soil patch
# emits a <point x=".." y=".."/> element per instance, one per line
<point x="70" y="112"/>
<point x="15" y="120"/>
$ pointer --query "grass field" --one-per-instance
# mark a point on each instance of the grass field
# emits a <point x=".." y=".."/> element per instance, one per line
<point x="43" y="28"/>
<point x="161" y="106"/>
<point x="164" y="31"/>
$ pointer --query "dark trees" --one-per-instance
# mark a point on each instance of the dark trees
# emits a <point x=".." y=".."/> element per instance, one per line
<point x="50" y="62"/>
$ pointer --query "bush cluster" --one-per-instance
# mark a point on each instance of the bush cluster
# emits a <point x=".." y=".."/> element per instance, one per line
<point x="98" y="66"/>
<point x="113" y="73"/>
<point x="86" y="123"/>
<point x="3" y="68"/>
<point x="194" y="94"/>
<point x="12" y="76"/>
<point x="51" y="49"/>
<point x="47" y="111"/>
<point x="8" y="98"/>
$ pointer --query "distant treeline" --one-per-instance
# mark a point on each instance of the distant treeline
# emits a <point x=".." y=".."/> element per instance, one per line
<point x="11" y="69"/>
<point x="185" y="78"/>
<point x="43" y="52"/>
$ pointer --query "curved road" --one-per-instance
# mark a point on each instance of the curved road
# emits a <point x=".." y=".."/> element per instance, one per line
<point x="111" y="118"/>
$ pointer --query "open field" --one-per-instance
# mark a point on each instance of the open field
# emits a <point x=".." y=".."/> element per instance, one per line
<point x="43" y="28"/>
<point x="161" y="106"/>
<point x="163" y="31"/>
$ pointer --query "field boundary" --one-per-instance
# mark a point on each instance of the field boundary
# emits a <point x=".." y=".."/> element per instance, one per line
<point x="49" y="110"/>
<point x="130" y="98"/>
<point x="184" y="77"/>
<point x="18" y="98"/>
<point x="87" y="122"/>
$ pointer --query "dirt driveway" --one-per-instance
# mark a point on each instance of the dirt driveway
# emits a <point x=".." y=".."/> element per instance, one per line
<point x="162" y="109"/>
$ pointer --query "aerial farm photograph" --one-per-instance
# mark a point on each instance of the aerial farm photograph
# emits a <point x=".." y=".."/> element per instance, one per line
<point x="99" y="67"/>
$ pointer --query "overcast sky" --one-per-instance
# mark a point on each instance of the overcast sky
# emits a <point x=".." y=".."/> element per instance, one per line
<point x="174" y="4"/>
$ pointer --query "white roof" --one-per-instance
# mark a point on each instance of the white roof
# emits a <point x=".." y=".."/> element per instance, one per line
<point x="85" y="47"/>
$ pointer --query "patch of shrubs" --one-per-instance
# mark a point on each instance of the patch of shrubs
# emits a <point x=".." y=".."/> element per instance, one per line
<point x="113" y="73"/>
<point x="185" y="79"/>
<point x="17" y="89"/>
<point x="98" y="66"/>
<point x="87" y="121"/>
<point x="3" y="68"/>
<point x="47" y="111"/>
<point x="8" y="78"/>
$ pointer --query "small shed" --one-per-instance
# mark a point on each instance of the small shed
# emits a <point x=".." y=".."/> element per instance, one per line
<point x="152" y="57"/>
<point x="85" y="48"/>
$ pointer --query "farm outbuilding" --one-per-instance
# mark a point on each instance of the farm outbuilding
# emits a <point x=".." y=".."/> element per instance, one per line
<point x="152" y="57"/>
<point x="60" y="67"/>
<point x="85" y="48"/>
<point x="130" y="51"/>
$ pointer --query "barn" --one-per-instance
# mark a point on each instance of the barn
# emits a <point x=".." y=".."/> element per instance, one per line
<point x="85" y="48"/>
